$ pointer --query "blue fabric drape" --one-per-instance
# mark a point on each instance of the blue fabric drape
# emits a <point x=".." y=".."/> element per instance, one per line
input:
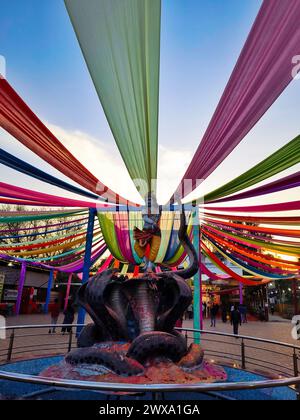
<point x="19" y="165"/>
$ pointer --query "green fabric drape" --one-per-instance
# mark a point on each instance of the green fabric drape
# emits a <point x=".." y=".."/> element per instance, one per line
<point x="19" y="219"/>
<point x="135" y="219"/>
<point x="166" y="225"/>
<point x="120" y="41"/>
<point x="108" y="231"/>
<point x="180" y="250"/>
<point x="284" y="158"/>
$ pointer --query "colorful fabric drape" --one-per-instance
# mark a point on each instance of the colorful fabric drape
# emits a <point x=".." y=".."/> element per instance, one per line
<point x="19" y="165"/>
<point x="294" y="233"/>
<point x="121" y="225"/>
<point x="255" y="243"/>
<point x="73" y="267"/>
<point x="107" y="225"/>
<point x="31" y="217"/>
<point x="246" y="252"/>
<point x="288" y="182"/>
<point x="248" y="268"/>
<point x="166" y="226"/>
<point x="37" y="243"/>
<point x="106" y="264"/>
<point x="254" y="235"/>
<point x="8" y="190"/>
<point x="264" y="69"/>
<point x="271" y="220"/>
<point x="120" y="41"/>
<point x="35" y="234"/>
<point x="227" y="270"/>
<point x="289" y="206"/>
<point x="211" y="275"/>
<point x="18" y="120"/>
<point x="282" y="159"/>
<point x="117" y="229"/>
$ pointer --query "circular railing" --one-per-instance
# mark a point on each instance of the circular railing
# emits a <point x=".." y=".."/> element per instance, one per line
<point x="278" y="362"/>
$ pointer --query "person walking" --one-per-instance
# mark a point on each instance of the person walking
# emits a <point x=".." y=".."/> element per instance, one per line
<point x="236" y="320"/>
<point x="224" y="314"/>
<point x="204" y="310"/>
<point x="54" y="313"/>
<point x="213" y="314"/>
<point x="69" y="314"/>
<point x="243" y="312"/>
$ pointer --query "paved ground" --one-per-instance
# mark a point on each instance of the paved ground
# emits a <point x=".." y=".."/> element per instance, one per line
<point x="260" y="357"/>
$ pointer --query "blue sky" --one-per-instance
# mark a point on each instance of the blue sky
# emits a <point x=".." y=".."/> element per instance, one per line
<point x="201" y="41"/>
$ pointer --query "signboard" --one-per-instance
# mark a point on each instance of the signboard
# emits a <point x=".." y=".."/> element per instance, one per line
<point x="10" y="294"/>
<point x="2" y="278"/>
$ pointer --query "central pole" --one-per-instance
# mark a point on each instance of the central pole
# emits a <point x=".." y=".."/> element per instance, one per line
<point x="87" y="263"/>
<point x="241" y="293"/>
<point x="49" y="288"/>
<point x="197" y="278"/>
<point x="68" y="291"/>
<point x="20" y="288"/>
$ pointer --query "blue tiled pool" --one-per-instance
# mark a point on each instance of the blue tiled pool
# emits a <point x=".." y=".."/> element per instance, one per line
<point x="10" y="389"/>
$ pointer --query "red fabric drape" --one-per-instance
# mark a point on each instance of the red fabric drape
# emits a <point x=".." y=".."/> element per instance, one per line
<point x="18" y="120"/>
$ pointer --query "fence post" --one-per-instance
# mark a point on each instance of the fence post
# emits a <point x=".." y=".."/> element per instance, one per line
<point x="243" y="354"/>
<point x="295" y="360"/>
<point x="296" y="372"/>
<point x="11" y="345"/>
<point x="70" y="339"/>
<point x="87" y="263"/>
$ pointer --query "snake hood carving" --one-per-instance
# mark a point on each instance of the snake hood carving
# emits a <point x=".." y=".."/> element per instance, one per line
<point x="140" y="311"/>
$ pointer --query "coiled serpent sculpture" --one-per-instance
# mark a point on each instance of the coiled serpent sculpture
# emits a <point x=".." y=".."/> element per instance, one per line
<point x="140" y="311"/>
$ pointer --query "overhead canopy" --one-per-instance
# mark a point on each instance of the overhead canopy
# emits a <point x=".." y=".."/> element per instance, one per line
<point x="120" y="41"/>
<point x="263" y="71"/>
<point x="18" y="120"/>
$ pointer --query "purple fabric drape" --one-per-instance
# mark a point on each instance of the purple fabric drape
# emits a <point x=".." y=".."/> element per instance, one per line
<point x="68" y="268"/>
<point x="263" y="71"/>
<point x="288" y="182"/>
<point x="292" y="205"/>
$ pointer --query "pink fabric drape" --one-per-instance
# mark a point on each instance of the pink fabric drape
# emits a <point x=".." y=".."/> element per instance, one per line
<point x="19" y="193"/>
<point x="105" y="265"/>
<point x="122" y="230"/>
<point x="263" y="71"/>
<point x="211" y="275"/>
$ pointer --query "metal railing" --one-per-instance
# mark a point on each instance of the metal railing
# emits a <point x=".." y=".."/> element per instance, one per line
<point x="277" y="361"/>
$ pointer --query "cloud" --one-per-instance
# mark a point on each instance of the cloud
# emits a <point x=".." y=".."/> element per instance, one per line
<point x="100" y="159"/>
<point x="172" y="163"/>
<point x="105" y="162"/>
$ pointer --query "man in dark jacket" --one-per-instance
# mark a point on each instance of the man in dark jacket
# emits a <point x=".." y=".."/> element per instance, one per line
<point x="213" y="314"/>
<point x="236" y="320"/>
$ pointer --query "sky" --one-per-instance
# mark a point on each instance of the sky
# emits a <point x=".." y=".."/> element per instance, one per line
<point x="200" y="43"/>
